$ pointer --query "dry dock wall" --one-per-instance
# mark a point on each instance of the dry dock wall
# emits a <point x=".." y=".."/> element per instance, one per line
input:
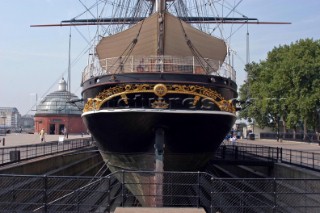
<point x="64" y="164"/>
<point x="282" y="170"/>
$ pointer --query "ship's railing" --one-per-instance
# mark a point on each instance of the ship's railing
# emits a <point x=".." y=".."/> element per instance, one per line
<point x="166" y="64"/>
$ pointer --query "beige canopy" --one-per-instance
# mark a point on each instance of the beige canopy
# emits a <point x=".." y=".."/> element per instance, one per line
<point x="175" y="43"/>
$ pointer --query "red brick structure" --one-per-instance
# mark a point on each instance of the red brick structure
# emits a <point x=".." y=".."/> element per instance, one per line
<point x="57" y="124"/>
<point x="56" y="115"/>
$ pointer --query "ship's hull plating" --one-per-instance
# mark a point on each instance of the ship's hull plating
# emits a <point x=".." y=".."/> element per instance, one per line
<point x="126" y="137"/>
<point x="125" y="113"/>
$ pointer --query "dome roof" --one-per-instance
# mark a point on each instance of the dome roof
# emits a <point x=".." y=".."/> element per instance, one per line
<point x="58" y="102"/>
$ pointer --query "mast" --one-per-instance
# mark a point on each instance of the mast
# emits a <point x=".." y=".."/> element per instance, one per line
<point x="160" y="5"/>
<point x="69" y="63"/>
<point x="160" y="9"/>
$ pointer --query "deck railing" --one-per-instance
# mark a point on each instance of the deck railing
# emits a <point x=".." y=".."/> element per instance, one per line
<point x="165" y="64"/>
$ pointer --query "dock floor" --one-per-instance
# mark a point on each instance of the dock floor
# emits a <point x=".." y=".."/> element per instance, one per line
<point x="158" y="210"/>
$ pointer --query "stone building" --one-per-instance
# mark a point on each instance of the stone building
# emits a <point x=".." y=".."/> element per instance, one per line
<point x="27" y="123"/>
<point x="9" y="118"/>
<point x="56" y="115"/>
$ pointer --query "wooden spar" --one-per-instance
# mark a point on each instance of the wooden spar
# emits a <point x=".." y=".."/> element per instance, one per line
<point x="192" y="22"/>
<point x="133" y="20"/>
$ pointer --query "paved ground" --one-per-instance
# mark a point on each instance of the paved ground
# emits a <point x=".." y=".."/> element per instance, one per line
<point x="17" y="139"/>
<point x="158" y="210"/>
<point x="302" y="146"/>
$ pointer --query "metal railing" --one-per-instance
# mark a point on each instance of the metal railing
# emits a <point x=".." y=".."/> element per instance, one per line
<point x="178" y="189"/>
<point x="247" y="152"/>
<point x="18" y="153"/>
<point x="149" y="64"/>
<point x="310" y="137"/>
<point x="303" y="159"/>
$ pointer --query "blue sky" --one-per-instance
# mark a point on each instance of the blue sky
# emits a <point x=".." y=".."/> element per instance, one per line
<point x="32" y="60"/>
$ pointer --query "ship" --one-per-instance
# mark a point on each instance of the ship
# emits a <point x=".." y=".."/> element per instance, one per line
<point x="159" y="93"/>
<point x="159" y="89"/>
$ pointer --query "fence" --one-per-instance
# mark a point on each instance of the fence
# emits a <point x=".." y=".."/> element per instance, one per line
<point x="244" y="151"/>
<point x="310" y="137"/>
<point x="176" y="189"/>
<point x="25" y="152"/>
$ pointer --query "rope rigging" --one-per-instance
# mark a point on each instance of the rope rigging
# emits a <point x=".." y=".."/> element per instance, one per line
<point x="127" y="52"/>
<point x="195" y="52"/>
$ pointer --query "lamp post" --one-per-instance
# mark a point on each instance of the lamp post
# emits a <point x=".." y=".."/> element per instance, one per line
<point x="317" y="132"/>
<point x="278" y="126"/>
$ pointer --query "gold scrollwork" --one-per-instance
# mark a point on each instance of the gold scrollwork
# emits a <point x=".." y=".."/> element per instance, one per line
<point x="124" y="98"/>
<point x="195" y="100"/>
<point x="160" y="104"/>
<point x="159" y="90"/>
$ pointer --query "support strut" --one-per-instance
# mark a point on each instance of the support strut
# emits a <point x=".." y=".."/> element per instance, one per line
<point x="159" y="151"/>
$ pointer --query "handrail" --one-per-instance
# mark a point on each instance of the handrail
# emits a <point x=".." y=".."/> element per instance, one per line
<point x="15" y="154"/>
<point x="188" y="189"/>
<point x="299" y="158"/>
<point x="165" y="64"/>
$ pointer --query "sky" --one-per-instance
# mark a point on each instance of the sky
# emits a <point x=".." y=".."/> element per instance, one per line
<point x="33" y="60"/>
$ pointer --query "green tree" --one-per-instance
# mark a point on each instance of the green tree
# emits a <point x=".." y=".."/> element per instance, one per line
<point x="286" y="85"/>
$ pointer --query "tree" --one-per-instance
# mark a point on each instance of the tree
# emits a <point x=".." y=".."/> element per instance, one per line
<point x="286" y="85"/>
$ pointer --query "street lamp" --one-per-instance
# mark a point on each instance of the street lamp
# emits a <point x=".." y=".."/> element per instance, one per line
<point x="278" y="125"/>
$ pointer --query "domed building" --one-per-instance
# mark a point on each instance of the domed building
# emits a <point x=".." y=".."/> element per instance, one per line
<point x="56" y="115"/>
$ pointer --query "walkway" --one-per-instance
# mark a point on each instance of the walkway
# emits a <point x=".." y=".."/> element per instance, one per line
<point x="294" y="145"/>
<point x="17" y="139"/>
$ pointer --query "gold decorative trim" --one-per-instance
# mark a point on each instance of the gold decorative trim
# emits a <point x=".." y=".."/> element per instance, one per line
<point x="159" y="90"/>
<point x="160" y="104"/>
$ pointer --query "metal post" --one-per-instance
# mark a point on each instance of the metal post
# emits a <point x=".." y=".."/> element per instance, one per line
<point x="290" y="156"/>
<point x="274" y="195"/>
<point x="278" y="129"/>
<point x="2" y="154"/>
<point x="211" y="200"/>
<point x="159" y="151"/>
<point x="109" y="192"/>
<point x="236" y="153"/>
<point x="199" y="197"/>
<point x="45" y="198"/>
<point x="313" y="160"/>
<point x="122" y="189"/>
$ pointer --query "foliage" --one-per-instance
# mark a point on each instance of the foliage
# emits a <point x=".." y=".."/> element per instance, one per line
<point x="286" y="85"/>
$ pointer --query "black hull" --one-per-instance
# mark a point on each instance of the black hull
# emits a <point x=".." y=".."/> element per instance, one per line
<point x="123" y="111"/>
<point x="126" y="138"/>
<point x="126" y="114"/>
